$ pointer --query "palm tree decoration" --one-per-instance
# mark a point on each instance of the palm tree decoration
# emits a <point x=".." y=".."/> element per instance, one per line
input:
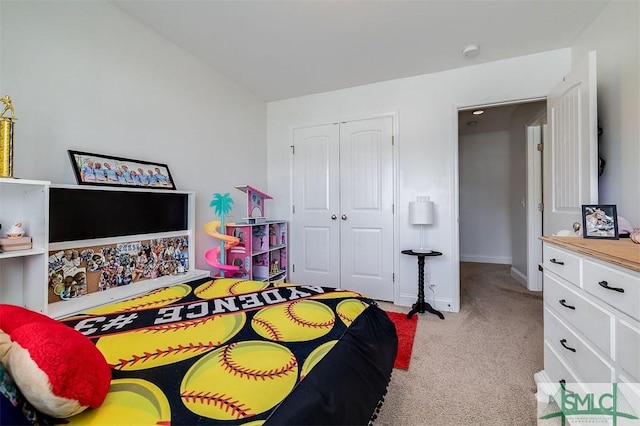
<point x="221" y="207"/>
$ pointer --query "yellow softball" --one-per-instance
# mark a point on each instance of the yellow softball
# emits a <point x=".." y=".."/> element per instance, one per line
<point x="129" y="402"/>
<point x="315" y="357"/>
<point x="168" y="343"/>
<point x="239" y="380"/>
<point x="348" y="310"/>
<point x="296" y="321"/>
<point x="336" y="294"/>
<point x="228" y="287"/>
<point x="161" y="297"/>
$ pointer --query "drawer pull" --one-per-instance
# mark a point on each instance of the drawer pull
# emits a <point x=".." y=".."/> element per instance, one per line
<point x="557" y="262"/>
<point x="605" y="284"/>
<point x="563" y="302"/>
<point x="563" y="342"/>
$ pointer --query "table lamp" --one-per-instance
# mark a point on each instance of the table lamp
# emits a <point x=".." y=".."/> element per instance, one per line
<point x="421" y="213"/>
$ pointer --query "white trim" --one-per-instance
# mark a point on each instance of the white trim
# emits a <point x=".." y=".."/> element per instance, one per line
<point x="534" y="198"/>
<point x="116" y="240"/>
<point x="455" y="215"/>
<point x="475" y="258"/>
<point x="545" y="387"/>
<point x="519" y="276"/>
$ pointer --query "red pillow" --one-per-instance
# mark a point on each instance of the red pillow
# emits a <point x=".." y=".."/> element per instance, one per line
<point x="58" y="369"/>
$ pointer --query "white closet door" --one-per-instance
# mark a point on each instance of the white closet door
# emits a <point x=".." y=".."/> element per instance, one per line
<point x="315" y="236"/>
<point x="366" y="207"/>
<point x="571" y="153"/>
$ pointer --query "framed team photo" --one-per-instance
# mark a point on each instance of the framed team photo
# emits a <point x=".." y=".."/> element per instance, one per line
<point x="107" y="170"/>
<point x="600" y="221"/>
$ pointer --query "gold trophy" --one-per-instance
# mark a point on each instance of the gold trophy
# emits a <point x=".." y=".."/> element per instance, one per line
<point x="6" y="137"/>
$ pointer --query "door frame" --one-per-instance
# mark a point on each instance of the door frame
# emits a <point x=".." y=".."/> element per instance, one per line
<point x="455" y="200"/>
<point x="535" y="134"/>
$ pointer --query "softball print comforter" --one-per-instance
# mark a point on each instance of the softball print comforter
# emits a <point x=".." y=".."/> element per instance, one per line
<point x="234" y="352"/>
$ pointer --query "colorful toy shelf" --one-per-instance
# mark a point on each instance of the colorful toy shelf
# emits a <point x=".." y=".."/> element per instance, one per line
<point x="261" y="252"/>
<point x="255" y="249"/>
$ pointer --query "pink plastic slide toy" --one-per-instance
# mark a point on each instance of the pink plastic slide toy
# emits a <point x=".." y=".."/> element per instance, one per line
<point x="213" y="256"/>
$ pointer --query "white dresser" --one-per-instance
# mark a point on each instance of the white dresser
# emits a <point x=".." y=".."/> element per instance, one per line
<point x="591" y="313"/>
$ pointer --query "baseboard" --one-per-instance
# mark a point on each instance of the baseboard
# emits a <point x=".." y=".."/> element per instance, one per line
<point x="476" y="258"/>
<point x="545" y="387"/>
<point x="406" y="299"/>
<point x="519" y="276"/>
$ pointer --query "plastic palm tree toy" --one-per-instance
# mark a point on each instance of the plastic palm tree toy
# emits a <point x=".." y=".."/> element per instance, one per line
<point x="221" y="207"/>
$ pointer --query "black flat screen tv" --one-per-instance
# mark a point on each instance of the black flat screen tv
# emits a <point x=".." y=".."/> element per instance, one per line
<point x="80" y="214"/>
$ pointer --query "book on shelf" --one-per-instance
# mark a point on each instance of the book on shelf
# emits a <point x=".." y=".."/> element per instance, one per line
<point x="12" y="244"/>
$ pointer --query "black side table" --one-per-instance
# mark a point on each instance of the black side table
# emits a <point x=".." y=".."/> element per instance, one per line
<point x="421" y="305"/>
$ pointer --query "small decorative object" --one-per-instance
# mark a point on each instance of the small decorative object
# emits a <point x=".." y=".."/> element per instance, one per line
<point x="421" y="213"/>
<point x="6" y="137"/>
<point x="600" y="221"/>
<point x="15" y="231"/>
<point x="216" y="257"/>
<point x="255" y="203"/>
<point x="101" y="170"/>
<point x="58" y="369"/>
<point x="635" y="235"/>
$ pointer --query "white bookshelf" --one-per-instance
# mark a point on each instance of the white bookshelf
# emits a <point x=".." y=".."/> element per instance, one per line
<point x="24" y="273"/>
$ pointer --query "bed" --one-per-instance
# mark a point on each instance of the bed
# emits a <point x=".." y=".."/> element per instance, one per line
<point x="228" y="351"/>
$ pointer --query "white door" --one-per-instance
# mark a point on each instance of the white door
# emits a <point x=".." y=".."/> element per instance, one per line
<point x="342" y="227"/>
<point x="366" y="207"/>
<point x="571" y="151"/>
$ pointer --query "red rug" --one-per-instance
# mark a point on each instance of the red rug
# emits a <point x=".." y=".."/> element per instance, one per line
<point x="406" y="329"/>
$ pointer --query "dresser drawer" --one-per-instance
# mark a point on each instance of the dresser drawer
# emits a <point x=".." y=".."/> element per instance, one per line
<point x="562" y="263"/>
<point x="584" y="361"/>
<point x="594" y="322"/>
<point x="558" y="371"/>
<point x="623" y="292"/>
<point x="628" y="347"/>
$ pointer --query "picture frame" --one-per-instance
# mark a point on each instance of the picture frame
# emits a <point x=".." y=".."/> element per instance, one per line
<point x="107" y="170"/>
<point x="600" y="221"/>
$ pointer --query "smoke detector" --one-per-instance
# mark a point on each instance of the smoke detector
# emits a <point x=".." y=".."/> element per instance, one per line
<point x="471" y="51"/>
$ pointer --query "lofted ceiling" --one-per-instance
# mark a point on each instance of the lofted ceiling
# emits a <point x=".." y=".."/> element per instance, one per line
<point x="284" y="49"/>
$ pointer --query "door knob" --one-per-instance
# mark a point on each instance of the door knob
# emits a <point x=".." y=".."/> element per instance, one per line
<point x="334" y="217"/>
<point x="344" y="217"/>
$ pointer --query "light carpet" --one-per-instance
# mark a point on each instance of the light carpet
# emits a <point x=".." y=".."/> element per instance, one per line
<point x="476" y="367"/>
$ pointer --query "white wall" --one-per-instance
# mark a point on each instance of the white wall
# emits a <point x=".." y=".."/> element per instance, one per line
<point x="615" y="34"/>
<point x="485" y="223"/>
<point x="426" y="149"/>
<point x="86" y="76"/>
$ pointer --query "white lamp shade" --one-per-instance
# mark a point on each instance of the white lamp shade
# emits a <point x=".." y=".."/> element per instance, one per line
<point x="421" y="212"/>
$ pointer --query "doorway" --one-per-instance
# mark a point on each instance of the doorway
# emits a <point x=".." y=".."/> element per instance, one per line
<point x="500" y="187"/>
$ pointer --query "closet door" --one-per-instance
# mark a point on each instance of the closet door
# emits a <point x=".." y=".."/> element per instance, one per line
<point x="366" y="207"/>
<point x="342" y="225"/>
<point x="315" y="228"/>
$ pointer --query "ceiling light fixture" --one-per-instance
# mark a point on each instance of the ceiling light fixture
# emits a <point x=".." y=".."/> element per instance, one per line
<point x="478" y="112"/>
<point x="471" y="51"/>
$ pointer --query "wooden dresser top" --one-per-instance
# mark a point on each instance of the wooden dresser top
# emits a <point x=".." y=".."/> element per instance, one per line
<point x="622" y="252"/>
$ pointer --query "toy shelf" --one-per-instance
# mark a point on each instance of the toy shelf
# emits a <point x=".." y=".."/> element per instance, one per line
<point x="261" y="253"/>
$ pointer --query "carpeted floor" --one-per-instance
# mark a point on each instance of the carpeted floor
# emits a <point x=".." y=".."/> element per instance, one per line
<point x="476" y="367"/>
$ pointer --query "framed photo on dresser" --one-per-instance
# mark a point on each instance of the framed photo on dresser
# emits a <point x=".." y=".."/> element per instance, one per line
<point x="101" y="170"/>
<point x="600" y="221"/>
